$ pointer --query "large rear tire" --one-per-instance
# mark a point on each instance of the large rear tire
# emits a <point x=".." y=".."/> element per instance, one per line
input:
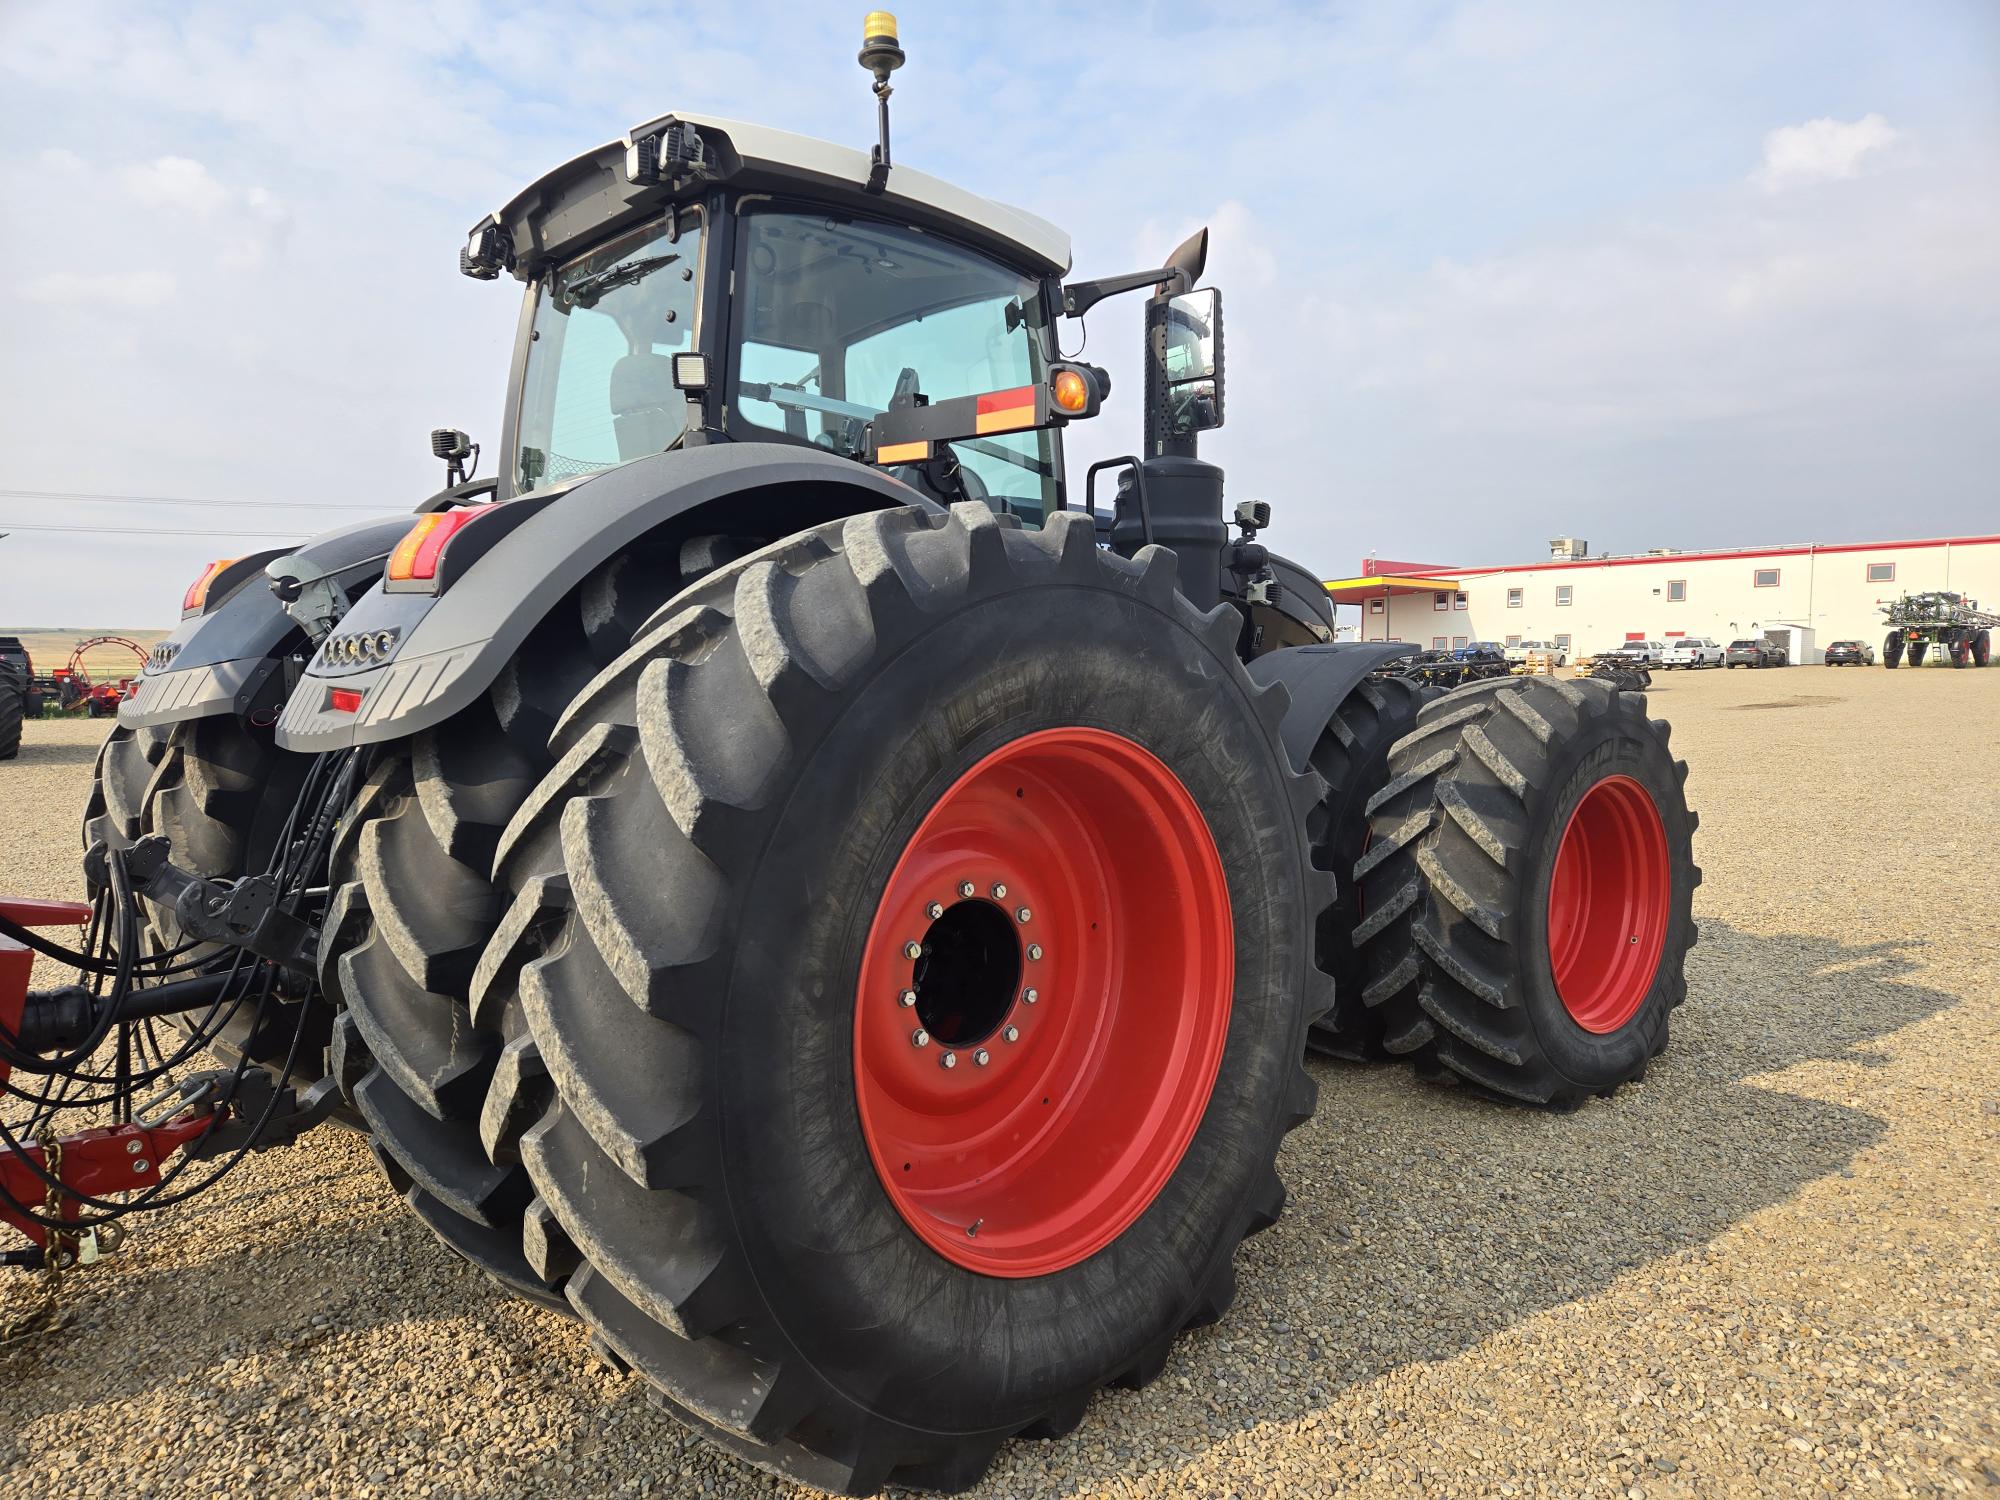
<point x="1917" y="651"/>
<point x="221" y="791"/>
<point x="842" y="1258"/>
<point x="414" y="904"/>
<point x="1892" y="650"/>
<point x="1531" y="857"/>
<point x="1982" y="648"/>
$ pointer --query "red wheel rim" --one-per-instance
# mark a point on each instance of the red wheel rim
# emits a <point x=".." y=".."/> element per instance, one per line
<point x="1085" y="1038"/>
<point x="1608" y="898"/>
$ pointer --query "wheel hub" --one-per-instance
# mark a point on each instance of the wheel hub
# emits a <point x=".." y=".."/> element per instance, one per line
<point x="1035" y="1039"/>
<point x="968" y="978"/>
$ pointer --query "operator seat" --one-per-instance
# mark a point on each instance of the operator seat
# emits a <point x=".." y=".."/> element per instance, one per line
<point x="647" y="413"/>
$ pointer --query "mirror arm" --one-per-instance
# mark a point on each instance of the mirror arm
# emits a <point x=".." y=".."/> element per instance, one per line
<point x="1080" y="297"/>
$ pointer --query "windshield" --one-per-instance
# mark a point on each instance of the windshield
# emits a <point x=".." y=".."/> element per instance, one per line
<point x="599" y="389"/>
<point x="839" y="321"/>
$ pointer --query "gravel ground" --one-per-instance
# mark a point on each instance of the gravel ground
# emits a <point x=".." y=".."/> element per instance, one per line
<point x="1772" y="1268"/>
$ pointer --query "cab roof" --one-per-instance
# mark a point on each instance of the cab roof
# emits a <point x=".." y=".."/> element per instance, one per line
<point x="566" y="210"/>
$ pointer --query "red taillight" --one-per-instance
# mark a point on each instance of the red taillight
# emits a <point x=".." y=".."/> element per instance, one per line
<point x="416" y="556"/>
<point x="343" y="700"/>
<point x="197" y="592"/>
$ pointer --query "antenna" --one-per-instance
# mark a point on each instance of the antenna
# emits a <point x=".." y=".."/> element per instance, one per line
<point x="881" y="56"/>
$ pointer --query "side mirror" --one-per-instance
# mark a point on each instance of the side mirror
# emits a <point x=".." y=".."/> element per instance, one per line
<point x="1193" y="347"/>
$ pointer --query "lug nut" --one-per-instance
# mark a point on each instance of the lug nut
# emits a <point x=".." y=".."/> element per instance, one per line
<point x="948" y="1060"/>
<point x="966" y="888"/>
<point x="920" y="1038"/>
<point x="133" y="1148"/>
<point x="1031" y="995"/>
<point x="1023" y="914"/>
<point x="907" y="999"/>
<point x="139" y="1166"/>
<point x="981" y="1057"/>
<point x="913" y="951"/>
<point x="934" y="910"/>
<point x="999" y="891"/>
<point x="1012" y="1033"/>
<point x="1034" y="952"/>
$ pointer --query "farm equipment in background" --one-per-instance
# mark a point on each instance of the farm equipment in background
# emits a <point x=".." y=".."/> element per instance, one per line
<point x="1479" y="661"/>
<point x="78" y="691"/>
<point x="782" y="877"/>
<point x="1623" y="670"/>
<point x="1951" y="623"/>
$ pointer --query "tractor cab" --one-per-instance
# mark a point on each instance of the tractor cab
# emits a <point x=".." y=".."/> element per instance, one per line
<point x="706" y="280"/>
<point x="703" y="281"/>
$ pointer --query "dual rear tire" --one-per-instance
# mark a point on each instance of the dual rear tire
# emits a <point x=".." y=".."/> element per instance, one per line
<point x="221" y="792"/>
<point x="1527" y="889"/>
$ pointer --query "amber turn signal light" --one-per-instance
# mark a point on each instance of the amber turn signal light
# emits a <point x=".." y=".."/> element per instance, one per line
<point x="197" y="592"/>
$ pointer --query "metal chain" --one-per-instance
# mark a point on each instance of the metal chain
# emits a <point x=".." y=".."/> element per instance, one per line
<point x="47" y="1317"/>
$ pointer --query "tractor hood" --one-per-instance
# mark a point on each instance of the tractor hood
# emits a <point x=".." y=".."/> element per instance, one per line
<point x="626" y="181"/>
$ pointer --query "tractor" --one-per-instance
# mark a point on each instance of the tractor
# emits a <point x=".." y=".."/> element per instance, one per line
<point x="787" y="878"/>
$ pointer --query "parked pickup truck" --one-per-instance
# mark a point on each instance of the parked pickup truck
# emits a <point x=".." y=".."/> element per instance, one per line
<point x="1693" y="651"/>
<point x="1636" y="653"/>
<point x="1520" y="653"/>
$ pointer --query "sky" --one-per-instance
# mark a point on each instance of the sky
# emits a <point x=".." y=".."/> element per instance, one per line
<point x="1689" y="275"/>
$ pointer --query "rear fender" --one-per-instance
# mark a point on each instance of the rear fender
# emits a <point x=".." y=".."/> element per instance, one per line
<point x="224" y="659"/>
<point x="1319" y="678"/>
<point x="449" y="647"/>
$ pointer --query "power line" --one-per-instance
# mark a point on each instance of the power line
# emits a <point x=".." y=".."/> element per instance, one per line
<point x="290" y="536"/>
<point x="178" y="500"/>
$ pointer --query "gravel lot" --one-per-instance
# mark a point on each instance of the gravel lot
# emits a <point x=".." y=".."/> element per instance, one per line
<point x="1773" y="1268"/>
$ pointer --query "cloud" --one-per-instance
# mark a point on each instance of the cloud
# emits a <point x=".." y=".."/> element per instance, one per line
<point x="1821" y="151"/>
<point x="175" y="182"/>
<point x="102" y="289"/>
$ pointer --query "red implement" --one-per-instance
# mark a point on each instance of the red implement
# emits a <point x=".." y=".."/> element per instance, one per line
<point x="97" y="1162"/>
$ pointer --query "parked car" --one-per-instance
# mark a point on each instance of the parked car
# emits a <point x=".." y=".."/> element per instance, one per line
<point x="1480" y="651"/>
<point x="1549" y="649"/>
<point x="1755" y="653"/>
<point x="1693" y="651"/>
<point x="1850" y="654"/>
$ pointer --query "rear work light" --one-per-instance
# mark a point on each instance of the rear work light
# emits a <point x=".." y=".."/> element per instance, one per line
<point x="197" y="592"/>
<point x="415" y="559"/>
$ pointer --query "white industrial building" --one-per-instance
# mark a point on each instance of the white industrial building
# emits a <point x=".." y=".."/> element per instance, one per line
<point x="1808" y="595"/>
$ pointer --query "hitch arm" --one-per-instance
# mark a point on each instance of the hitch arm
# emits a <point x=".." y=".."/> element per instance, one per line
<point x="239" y="914"/>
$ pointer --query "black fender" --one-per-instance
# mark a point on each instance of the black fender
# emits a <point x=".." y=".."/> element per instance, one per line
<point x="1318" y="679"/>
<point x="219" y="661"/>
<point x="449" y="647"/>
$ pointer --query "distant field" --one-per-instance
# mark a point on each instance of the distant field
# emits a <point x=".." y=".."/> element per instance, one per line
<point x="52" y="648"/>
